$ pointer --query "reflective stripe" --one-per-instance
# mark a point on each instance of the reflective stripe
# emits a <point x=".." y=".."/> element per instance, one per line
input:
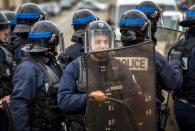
<point x="146" y="9"/>
<point x="190" y="13"/>
<point x="132" y="22"/>
<point x="185" y="102"/>
<point x="39" y="35"/>
<point x="83" y="20"/>
<point x="28" y="15"/>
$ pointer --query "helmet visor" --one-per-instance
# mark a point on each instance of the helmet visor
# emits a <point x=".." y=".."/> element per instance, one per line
<point x="98" y="40"/>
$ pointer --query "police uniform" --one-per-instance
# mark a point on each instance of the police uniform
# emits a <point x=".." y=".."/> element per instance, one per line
<point x="5" y="69"/>
<point x="103" y="74"/>
<point x="35" y="82"/>
<point x="5" y="82"/>
<point x="184" y="97"/>
<point x="72" y="99"/>
<point x="31" y="92"/>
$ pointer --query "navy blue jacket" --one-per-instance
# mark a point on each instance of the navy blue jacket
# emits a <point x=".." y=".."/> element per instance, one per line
<point x="188" y="90"/>
<point x="28" y="80"/>
<point x="3" y="119"/>
<point x="169" y="75"/>
<point x="69" y="98"/>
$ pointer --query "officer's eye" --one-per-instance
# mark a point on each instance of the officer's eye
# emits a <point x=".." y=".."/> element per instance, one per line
<point x="105" y="41"/>
<point x="98" y="42"/>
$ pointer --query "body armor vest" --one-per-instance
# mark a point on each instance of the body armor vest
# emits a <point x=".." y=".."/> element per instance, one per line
<point x="44" y="110"/>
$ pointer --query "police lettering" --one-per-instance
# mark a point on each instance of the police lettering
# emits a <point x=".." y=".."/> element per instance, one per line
<point x="135" y="63"/>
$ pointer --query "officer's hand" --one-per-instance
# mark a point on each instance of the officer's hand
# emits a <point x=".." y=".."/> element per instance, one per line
<point x="97" y="96"/>
<point x="175" y="55"/>
<point x="7" y="99"/>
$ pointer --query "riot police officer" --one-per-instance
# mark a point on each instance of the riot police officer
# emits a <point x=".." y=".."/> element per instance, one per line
<point x="11" y="16"/>
<point x="5" y="67"/>
<point x="72" y="94"/>
<point x="26" y="16"/>
<point x="135" y="28"/>
<point x="35" y="82"/>
<point x="184" y="104"/>
<point x="79" y="22"/>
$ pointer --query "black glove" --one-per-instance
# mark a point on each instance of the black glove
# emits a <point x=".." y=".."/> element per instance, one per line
<point x="64" y="59"/>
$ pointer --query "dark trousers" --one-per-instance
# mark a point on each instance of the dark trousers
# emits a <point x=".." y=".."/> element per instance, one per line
<point x="76" y="122"/>
<point x="185" y="116"/>
<point x="3" y="121"/>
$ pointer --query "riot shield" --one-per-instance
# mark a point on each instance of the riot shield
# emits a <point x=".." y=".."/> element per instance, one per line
<point x="126" y="77"/>
<point x="166" y="38"/>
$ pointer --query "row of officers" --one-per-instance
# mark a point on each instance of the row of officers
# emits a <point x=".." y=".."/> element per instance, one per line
<point x="37" y="93"/>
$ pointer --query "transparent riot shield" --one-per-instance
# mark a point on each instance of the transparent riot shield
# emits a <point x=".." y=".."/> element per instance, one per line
<point x="166" y="38"/>
<point x="126" y="77"/>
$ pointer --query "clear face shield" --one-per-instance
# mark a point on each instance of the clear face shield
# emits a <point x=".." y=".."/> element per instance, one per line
<point x="96" y="40"/>
<point x="61" y="43"/>
<point x="5" y="34"/>
<point x="161" y="19"/>
<point x="149" y="30"/>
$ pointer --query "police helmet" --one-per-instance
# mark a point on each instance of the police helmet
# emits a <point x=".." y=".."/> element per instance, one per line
<point x="190" y="18"/>
<point x="43" y="36"/>
<point x="97" y="33"/>
<point x="151" y="10"/>
<point x="79" y="22"/>
<point x="82" y="18"/>
<point x="134" y="27"/>
<point x="4" y="26"/>
<point x="4" y="23"/>
<point x="11" y="17"/>
<point x="26" y="16"/>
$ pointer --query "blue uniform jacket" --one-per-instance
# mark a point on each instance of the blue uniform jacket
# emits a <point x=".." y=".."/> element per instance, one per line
<point x="169" y="75"/>
<point x="69" y="98"/>
<point x="28" y="80"/>
<point x="188" y="90"/>
<point x="3" y="121"/>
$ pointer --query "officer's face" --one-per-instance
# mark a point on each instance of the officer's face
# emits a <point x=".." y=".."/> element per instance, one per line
<point x="3" y="34"/>
<point x="99" y="43"/>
